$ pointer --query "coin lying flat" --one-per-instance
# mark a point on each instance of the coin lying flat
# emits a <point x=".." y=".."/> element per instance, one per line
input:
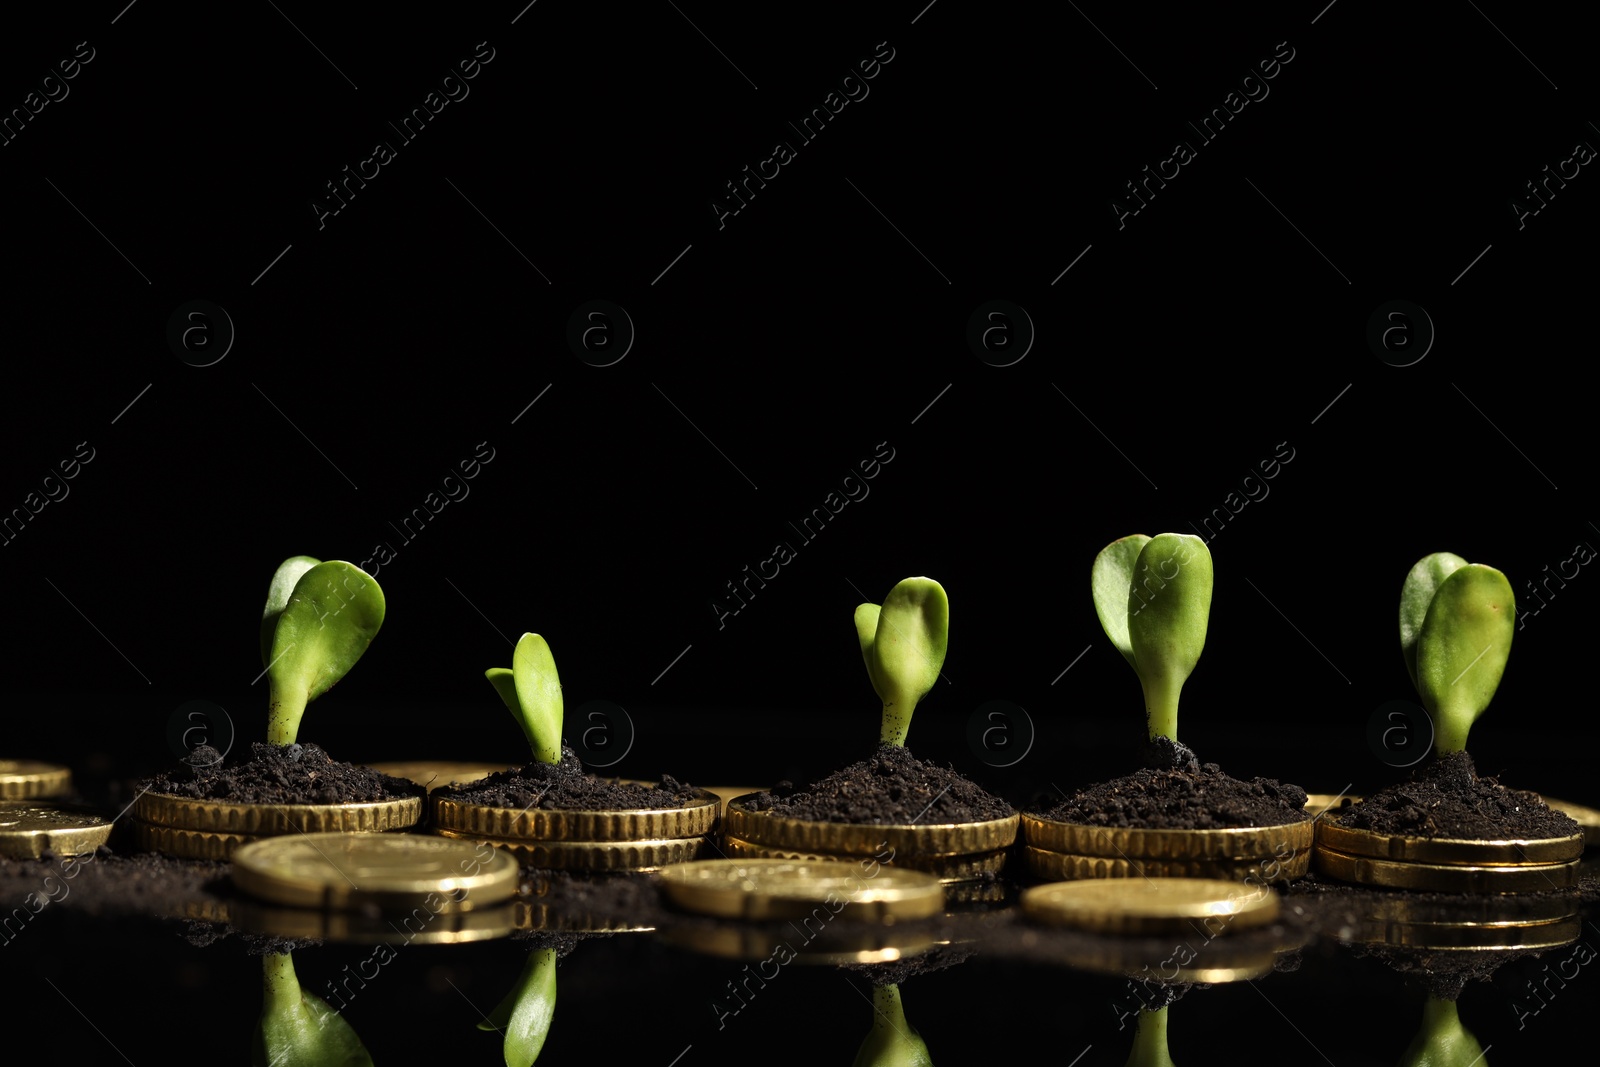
<point x="868" y="839"/>
<point x="550" y="825"/>
<point x="1151" y="906"/>
<point x="1586" y="817"/>
<point x="217" y="816"/>
<point x="1445" y="878"/>
<point x="433" y="774"/>
<point x="959" y="868"/>
<point x="592" y="855"/>
<point x="343" y="870"/>
<point x="1061" y="867"/>
<point x="24" y="779"/>
<point x="792" y="889"/>
<point x="1242" y="843"/>
<point x="1447" y="851"/>
<point x="187" y="844"/>
<point x="28" y="829"/>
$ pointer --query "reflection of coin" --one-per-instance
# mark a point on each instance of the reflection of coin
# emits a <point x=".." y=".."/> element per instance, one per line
<point x="187" y="844"/>
<point x="1588" y="818"/>
<point x="961" y="868"/>
<point x="22" y="779"/>
<point x="1062" y="866"/>
<point x="218" y="816"/>
<point x="432" y="774"/>
<point x="390" y="870"/>
<point x="791" y="889"/>
<point x="27" y="830"/>
<point x="811" y="943"/>
<point x="1401" y="847"/>
<point x="372" y="928"/>
<point x="592" y="855"/>
<point x="1528" y="937"/>
<point x="868" y="839"/>
<point x="1151" y="906"/>
<point x="692" y="819"/>
<point x="1242" y="843"/>
<point x="1442" y="878"/>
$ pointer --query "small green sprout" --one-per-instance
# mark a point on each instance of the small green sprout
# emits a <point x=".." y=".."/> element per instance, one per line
<point x="1153" y="596"/>
<point x="903" y="642"/>
<point x="893" y="1042"/>
<point x="1442" y="1041"/>
<point x="525" y="1014"/>
<point x="298" y="1029"/>
<point x="532" y="690"/>
<point x="319" y="619"/>
<point x="1455" y="634"/>
<point x="1150" y="1041"/>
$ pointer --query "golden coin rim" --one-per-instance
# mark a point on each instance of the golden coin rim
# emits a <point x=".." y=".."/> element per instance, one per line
<point x="1444" y="878"/>
<point x="958" y="868"/>
<point x="904" y="896"/>
<point x="25" y="779"/>
<point x="358" y="927"/>
<point x="1058" y="904"/>
<point x="63" y="840"/>
<point x="254" y="873"/>
<point x="593" y="855"/>
<point x="1066" y="867"/>
<point x="271" y="820"/>
<point x="1245" y="842"/>
<point x="878" y="944"/>
<point x="1551" y="933"/>
<point x="1448" y="851"/>
<point x="868" y="839"/>
<point x="186" y="844"/>
<point x="692" y="819"/>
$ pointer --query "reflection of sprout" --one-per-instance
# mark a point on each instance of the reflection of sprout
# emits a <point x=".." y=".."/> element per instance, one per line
<point x="1442" y="1041"/>
<point x="297" y="1029"/>
<point x="1150" y="1041"/>
<point x="319" y="619"/>
<point x="893" y="1042"/>
<point x="1153" y="596"/>
<point x="525" y="1013"/>
<point x="532" y="690"/>
<point x="903" y="642"/>
<point x="1455" y="635"/>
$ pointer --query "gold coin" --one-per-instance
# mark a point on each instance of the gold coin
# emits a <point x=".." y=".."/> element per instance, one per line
<point x="541" y="915"/>
<point x="809" y="943"/>
<point x="344" y="870"/>
<point x="24" y="779"/>
<point x="1317" y="803"/>
<point x="592" y="855"/>
<point x="1192" y="959"/>
<point x="1493" y="910"/>
<point x="433" y="774"/>
<point x="697" y="817"/>
<point x="265" y="820"/>
<point x="1445" y="878"/>
<point x="732" y="792"/>
<point x="28" y="829"/>
<point x="420" y="925"/>
<point x="1242" y="843"/>
<point x="186" y="844"/>
<point x="1152" y="905"/>
<point x="793" y="889"/>
<point x="1447" y="851"/>
<point x="946" y="868"/>
<point x="1586" y="817"/>
<point x="1535" y="936"/>
<point x="868" y="839"/>
<point x="1062" y="867"/>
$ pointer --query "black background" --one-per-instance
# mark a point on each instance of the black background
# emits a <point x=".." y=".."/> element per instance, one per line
<point x="1223" y="324"/>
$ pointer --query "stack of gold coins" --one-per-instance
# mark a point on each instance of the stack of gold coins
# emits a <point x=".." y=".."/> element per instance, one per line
<point x="954" y="852"/>
<point x="643" y="839"/>
<point x="214" y="829"/>
<point x="1059" y="851"/>
<point x="1445" y="865"/>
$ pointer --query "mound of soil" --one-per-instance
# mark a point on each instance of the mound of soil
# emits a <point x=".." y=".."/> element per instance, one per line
<point x="891" y="787"/>
<point x="1445" y="798"/>
<point x="567" y="786"/>
<point x="281" y="774"/>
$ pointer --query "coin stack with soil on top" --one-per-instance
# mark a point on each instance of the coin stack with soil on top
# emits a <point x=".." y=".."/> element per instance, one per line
<point x="550" y="813"/>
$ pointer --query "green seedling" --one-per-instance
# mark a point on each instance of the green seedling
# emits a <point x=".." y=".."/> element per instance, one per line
<point x="1150" y="1041"/>
<point x="532" y="690"/>
<point x="1455" y="634"/>
<point x="319" y="619"/>
<point x="903" y="642"/>
<point x="1442" y="1041"/>
<point x="1153" y="596"/>
<point x="893" y="1042"/>
<point x="298" y="1029"/>
<point x="524" y="1015"/>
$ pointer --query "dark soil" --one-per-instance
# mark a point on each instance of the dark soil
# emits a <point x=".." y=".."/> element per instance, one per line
<point x="281" y="774"/>
<point x="1173" y="791"/>
<point x="892" y="787"/>
<point x="567" y="786"/>
<point x="1446" y="798"/>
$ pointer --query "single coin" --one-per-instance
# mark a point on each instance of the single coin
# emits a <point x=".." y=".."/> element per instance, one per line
<point x="345" y="870"/>
<point x="186" y="844"/>
<point x="1447" y="851"/>
<point x="419" y="925"/>
<point x="28" y="829"/>
<point x="806" y="943"/>
<point x="432" y="774"/>
<point x="1152" y="905"/>
<point x="1445" y="878"/>
<point x="1062" y="867"/>
<point x="948" y="869"/>
<point x="868" y="839"/>
<point x="1586" y="817"/>
<point x="1471" y="937"/>
<point x="697" y="817"/>
<point x="24" y="779"/>
<point x="792" y="889"/>
<point x="592" y="855"/>
<point x="1317" y="803"/>
<point x="264" y="820"/>
<point x="1490" y="910"/>
<point x="544" y="916"/>
<point x="1183" y="961"/>
<point x="1250" y="842"/>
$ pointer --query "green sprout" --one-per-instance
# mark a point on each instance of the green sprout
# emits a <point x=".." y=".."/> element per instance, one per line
<point x="1150" y="1041"/>
<point x="893" y="1042"/>
<point x="319" y="619"/>
<point x="524" y="1015"/>
<point x="532" y="690"/>
<point x="1153" y="596"/>
<point x="1455" y="634"/>
<point x="298" y="1029"/>
<point x="1442" y="1041"/>
<point x="903" y="642"/>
